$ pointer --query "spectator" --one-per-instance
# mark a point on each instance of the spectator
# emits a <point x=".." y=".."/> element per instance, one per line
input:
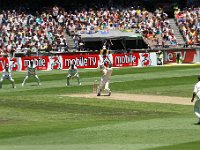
<point x="188" y="21"/>
<point x="76" y="41"/>
<point x="21" y="29"/>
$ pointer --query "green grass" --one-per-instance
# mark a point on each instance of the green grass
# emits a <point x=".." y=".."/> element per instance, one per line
<point x="37" y="117"/>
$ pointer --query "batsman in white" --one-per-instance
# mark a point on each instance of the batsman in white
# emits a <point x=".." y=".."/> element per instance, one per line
<point x="73" y="73"/>
<point x="31" y="72"/>
<point x="6" y="74"/>
<point x="106" y="70"/>
<point x="196" y="92"/>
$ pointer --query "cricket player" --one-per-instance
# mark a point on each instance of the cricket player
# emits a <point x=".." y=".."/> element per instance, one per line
<point x="6" y="74"/>
<point x="106" y="70"/>
<point x="73" y="73"/>
<point x="104" y="55"/>
<point x="196" y="92"/>
<point x="31" y="72"/>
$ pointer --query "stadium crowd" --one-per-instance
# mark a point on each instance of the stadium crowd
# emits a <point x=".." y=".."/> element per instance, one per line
<point x="47" y="30"/>
<point x="188" y="21"/>
<point x="155" y="27"/>
<point x="23" y="32"/>
<point x="147" y="23"/>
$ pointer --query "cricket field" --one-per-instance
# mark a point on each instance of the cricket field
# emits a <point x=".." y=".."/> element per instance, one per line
<point x="149" y="109"/>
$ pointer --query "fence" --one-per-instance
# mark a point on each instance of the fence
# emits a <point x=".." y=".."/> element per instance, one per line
<point x="134" y="58"/>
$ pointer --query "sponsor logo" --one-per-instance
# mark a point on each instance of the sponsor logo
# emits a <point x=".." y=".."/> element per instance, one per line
<point x="82" y="61"/>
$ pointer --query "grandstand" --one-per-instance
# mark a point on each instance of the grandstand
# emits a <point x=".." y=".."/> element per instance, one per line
<point x="57" y="29"/>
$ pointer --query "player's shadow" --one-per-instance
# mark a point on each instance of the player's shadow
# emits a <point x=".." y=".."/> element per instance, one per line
<point x="105" y="95"/>
<point x="34" y="85"/>
<point x="197" y="124"/>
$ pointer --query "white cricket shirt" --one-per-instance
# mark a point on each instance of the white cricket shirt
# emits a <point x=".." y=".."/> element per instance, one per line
<point x="197" y="89"/>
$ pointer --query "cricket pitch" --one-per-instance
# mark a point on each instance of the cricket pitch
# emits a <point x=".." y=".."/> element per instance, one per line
<point x="136" y="97"/>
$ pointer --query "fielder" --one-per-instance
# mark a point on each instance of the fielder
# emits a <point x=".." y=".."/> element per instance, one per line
<point x="196" y="92"/>
<point x="106" y="70"/>
<point x="73" y="73"/>
<point x="31" y="72"/>
<point x="6" y="74"/>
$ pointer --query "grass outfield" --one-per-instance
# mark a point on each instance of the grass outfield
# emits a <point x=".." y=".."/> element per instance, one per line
<point x="36" y="117"/>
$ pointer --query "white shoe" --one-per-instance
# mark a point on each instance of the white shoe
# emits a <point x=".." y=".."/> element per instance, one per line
<point x="79" y="84"/>
<point x="22" y="84"/>
<point x="40" y="84"/>
<point x="14" y="87"/>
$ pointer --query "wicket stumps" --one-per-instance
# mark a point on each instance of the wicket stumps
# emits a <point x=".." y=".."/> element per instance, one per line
<point x="95" y="87"/>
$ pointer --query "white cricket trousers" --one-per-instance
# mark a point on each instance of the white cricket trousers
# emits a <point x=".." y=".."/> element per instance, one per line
<point x="197" y="108"/>
<point x="103" y="82"/>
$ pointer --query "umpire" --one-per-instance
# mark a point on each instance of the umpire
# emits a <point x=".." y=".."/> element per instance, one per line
<point x="196" y="92"/>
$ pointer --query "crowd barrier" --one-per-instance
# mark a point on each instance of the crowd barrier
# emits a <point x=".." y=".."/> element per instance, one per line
<point x="187" y="55"/>
<point x="137" y="58"/>
<point x="86" y="60"/>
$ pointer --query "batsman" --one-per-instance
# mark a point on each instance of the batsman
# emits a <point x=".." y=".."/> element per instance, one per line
<point x="31" y="72"/>
<point x="106" y="71"/>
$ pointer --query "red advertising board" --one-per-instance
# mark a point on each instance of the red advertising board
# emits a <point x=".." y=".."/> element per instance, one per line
<point x="81" y="61"/>
<point x="40" y="61"/>
<point x="123" y="60"/>
<point x="3" y="62"/>
<point x="145" y="59"/>
<point x="187" y="56"/>
<point x="15" y="63"/>
<point x="55" y="62"/>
